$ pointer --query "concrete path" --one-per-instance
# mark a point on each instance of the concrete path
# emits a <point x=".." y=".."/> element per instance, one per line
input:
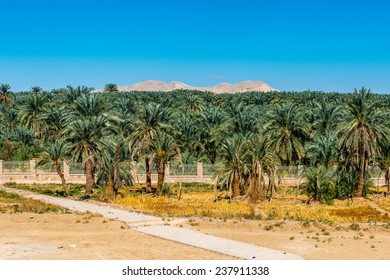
<point x="155" y="226"/>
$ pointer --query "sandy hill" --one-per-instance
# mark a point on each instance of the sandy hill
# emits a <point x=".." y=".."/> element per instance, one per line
<point x="220" y="88"/>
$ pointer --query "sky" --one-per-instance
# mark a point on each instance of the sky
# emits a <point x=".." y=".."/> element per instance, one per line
<point x="290" y="45"/>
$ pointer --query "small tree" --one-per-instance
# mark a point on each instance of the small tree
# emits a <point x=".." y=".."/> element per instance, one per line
<point x="54" y="153"/>
<point x="110" y="88"/>
<point x="36" y="89"/>
<point x="5" y="93"/>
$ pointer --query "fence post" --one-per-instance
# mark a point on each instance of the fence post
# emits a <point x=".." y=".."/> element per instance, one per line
<point x="199" y="172"/>
<point x="167" y="171"/>
<point x="1" y="174"/>
<point x="66" y="170"/>
<point x="33" y="171"/>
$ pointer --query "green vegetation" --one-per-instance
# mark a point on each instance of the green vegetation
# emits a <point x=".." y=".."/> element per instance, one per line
<point x="13" y="203"/>
<point x="338" y="138"/>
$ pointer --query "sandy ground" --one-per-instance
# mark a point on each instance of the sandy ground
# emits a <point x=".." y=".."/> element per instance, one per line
<point x="315" y="241"/>
<point x="87" y="236"/>
<point x="74" y="236"/>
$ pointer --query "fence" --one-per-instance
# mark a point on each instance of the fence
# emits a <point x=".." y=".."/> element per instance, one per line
<point x="28" y="172"/>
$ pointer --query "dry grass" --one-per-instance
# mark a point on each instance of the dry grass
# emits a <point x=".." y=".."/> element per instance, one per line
<point x="198" y="201"/>
<point x="191" y="205"/>
<point x="13" y="203"/>
<point x="287" y="205"/>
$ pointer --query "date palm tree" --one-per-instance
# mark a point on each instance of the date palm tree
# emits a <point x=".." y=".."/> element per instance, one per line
<point x="54" y="153"/>
<point x="87" y="143"/>
<point x="262" y="167"/>
<point x="31" y="111"/>
<point x="110" y="88"/>
<point x="151" y="118"/>
<point x="233" y="165"/>
<point x="5" y="92"/>
<point x="361" y="133"/>
<point x="287" y="131"/>
<point x="163" y="149"/>
<point x="36" y="89"/>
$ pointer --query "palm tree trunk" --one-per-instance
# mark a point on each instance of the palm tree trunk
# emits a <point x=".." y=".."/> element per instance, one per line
<point x="361" y="151"/>
<point x="110" y="188"/>
<point x="63" y="181"/>
<point x="116" y="168"/>
<point x="148" y="175"/>
<point x="89" y="176"/>
<point x="387" y="179"/>
<point x="160" y="176"/>
<point x="236" y="185"/>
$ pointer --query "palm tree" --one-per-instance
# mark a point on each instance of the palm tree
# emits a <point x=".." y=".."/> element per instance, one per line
<point x="54" y="121"/>
<point x="384" y="164"/>
<point x="230" y="174"/>
<point x="54" y="153"/>
<point x="326" y="115"/>
<point x="70" y="94"/>
<point x="163" y="150"/>
<point x="5" y="93"/>
<point x="318" y="181"/>
<point x="30" y="113"/>
<point x="287" y="131"/>
<point x="110" y="88"/>
<point x="114" y="167"/>
<point x="151" y="118"/>
<point x="213" y="129"/>
<point x="361" y="132"/>
<point x="262" y="164"/>
<point x="323" y="151"/>
<point x="36" y="89"/>
<point x="87" y="143"/>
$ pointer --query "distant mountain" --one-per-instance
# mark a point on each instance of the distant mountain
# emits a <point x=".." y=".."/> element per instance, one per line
<point x="221" y="88"/>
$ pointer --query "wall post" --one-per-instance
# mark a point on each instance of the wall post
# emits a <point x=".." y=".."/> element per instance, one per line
<point x="33" y="170"/>
<point x="1" y="174"/>
<point x="199" y="171"/>
<point x="66" y="170"/>
<point x="167" y="171"/>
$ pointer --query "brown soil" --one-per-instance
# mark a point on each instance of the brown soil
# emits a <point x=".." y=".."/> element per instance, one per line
<point x="314" y="241"/>
<point x="76" y="236"/>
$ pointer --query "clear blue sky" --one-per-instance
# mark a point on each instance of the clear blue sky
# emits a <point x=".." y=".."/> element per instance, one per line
<point x="291" y="45"/>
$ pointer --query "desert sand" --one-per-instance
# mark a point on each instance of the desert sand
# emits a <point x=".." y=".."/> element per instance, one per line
<point x="86" y="236"/>
<point x="25" y="236"/>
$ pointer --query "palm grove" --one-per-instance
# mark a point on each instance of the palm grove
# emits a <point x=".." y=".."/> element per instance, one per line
<point x="338" y="138"/>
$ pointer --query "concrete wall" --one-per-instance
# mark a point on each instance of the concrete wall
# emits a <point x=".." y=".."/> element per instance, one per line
<point x="36" y="176"/>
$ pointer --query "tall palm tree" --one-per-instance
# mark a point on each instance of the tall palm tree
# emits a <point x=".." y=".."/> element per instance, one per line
<point x="262" y="165"/>
<point x="54" y="153"/>
<point x="163" y="150"/>
<point x="87" y="143"/>
<point x="384" y="163"/>
<point x="214" y="127"/>
<point x="232" y="153"/>
<point x="361" y="132"/>
<point x="30" y="112"/>
<point x="151" y="118"/>
<point x="287" y="131"/>
<point x="114" y="166"/>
